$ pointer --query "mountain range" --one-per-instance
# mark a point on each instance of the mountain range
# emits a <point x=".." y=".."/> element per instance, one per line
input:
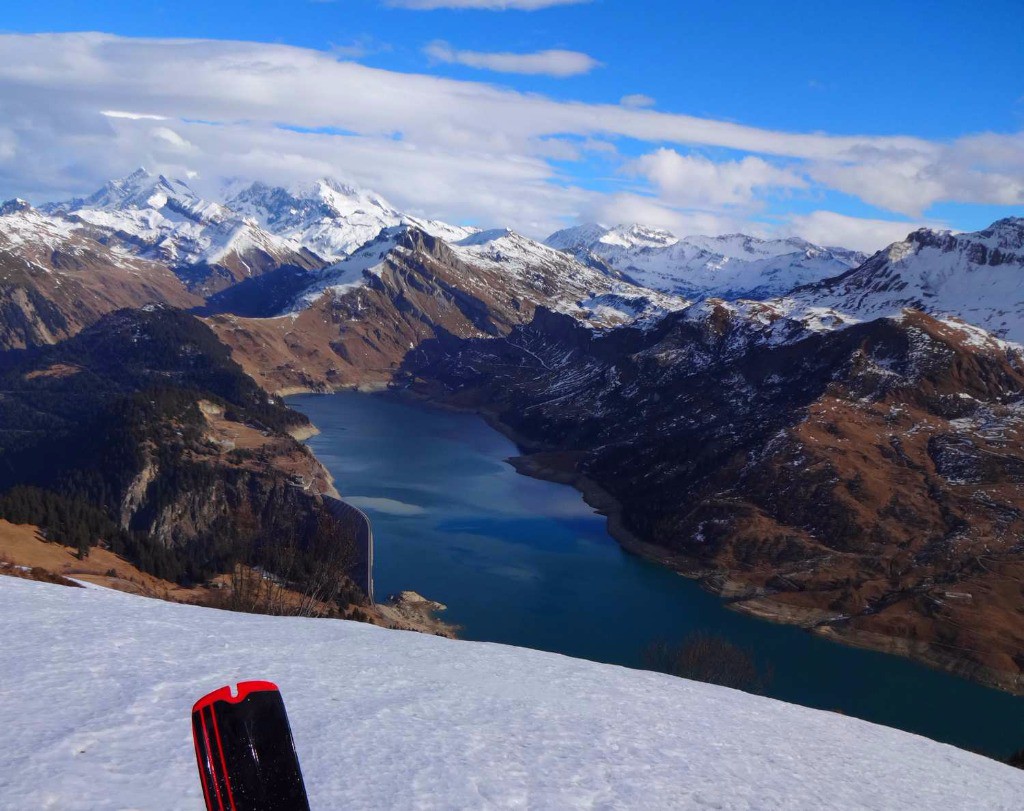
<point x="821" y="437"/>
<point x="733" y="266"/>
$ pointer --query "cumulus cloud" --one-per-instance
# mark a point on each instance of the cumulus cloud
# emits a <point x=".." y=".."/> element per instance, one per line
<point x="626" y="207"/>
<point x="557" y="63"/>
<point x="488" y="5"/>
<point x="694" y="180"/>
<point x="456" y="149"/>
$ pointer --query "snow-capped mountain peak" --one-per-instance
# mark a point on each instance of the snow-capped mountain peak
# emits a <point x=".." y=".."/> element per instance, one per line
<point x="163" y="218"/>
<point x="978" y="277"/>
<point x="330" y="217"/>
<point x="590" y="235"/>
<point x="639" y="236"/>
<point x="731" y="266"/>
<point x="142" y="191"/>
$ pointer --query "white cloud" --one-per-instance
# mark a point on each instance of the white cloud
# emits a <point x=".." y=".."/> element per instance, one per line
<point x="560" y="64"/>
<point x="489" y="5"/>
<point x="454" y="149"/>
<point x="133" y="116"/>
<point x="170" y="139"/>
<point x="626" y="208"/>
<point x="830" y="228"/>
<point x="637" y="100"/>
<point x="696" y="181"/>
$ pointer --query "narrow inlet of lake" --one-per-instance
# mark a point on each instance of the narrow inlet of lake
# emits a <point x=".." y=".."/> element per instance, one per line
<point x="528" y="563"/>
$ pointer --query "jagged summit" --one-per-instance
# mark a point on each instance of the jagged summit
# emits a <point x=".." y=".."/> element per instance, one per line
<point x="632" y="235"/>
<point x="14" y="206"/>
<point x="158" y="217"/>
<point x="142" y="190"/>
<point x="330" y="217"/>
<point x="978" y="277"/>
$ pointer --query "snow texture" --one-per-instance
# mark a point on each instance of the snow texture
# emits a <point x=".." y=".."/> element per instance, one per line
<point x="732" y="266"/>
<point x="976" y="277"/>
<point x="329" y="217"/>
<point x="170" y="222"/>
<point x="97" y="688"/>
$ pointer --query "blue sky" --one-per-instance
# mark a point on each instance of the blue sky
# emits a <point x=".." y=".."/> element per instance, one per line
<point x="933" y="94"/>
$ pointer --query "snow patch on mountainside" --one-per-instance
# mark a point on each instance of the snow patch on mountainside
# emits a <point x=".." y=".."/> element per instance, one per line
<point x="352" y="272"/>
<point x="597" y="295"/>
<point x="21" y="225"/>
<point x="98" y="687"/>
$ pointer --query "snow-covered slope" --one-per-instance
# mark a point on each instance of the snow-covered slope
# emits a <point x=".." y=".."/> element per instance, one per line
<point x="98" y="686"/>
<point x="330" y="218"/>
<point x="729" y="267"/>
<point x="977" y="277"/>
<point x="165" y="219"/>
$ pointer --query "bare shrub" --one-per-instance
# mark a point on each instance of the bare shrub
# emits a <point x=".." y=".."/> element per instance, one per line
<point x="292" y="577"/>
<point x="711" y="659"/>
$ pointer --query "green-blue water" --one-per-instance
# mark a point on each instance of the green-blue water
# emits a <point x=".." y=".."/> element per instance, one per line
<point x="528" y="563"/>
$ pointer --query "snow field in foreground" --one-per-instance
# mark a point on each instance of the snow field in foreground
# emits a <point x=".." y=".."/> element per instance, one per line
<point x="96" y="688"/>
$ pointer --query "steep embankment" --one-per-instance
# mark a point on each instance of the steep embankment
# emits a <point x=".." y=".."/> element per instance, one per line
<point x="384" y="719"/>
<point x="142" y="434"/>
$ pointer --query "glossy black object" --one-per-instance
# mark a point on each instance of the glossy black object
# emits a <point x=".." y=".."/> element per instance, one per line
<point x="246" y="754"/>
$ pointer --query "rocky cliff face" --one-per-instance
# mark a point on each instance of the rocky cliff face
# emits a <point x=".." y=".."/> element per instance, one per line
<point x="976" y="277"/>
<point x="866" y="481"/>
<point x="145" y="417"/>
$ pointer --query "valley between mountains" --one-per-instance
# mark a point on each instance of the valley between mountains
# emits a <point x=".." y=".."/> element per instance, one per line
<point x="821" y="437"/>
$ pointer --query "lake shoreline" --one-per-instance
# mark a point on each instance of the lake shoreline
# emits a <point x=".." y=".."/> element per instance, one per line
<point x="538" y="462"/>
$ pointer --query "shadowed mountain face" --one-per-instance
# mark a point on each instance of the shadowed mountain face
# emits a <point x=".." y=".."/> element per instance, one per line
<point x="866" y="481"/>
<point x="144" y="419"/>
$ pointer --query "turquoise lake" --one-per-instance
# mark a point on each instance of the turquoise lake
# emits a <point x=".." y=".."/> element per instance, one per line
<point x="528" y="563"/>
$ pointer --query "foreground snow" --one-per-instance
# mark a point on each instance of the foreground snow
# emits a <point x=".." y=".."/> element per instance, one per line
<point x="97" y="688"/>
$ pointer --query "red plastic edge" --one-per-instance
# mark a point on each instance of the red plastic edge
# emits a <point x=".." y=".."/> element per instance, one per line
<point x="245" y="688"/>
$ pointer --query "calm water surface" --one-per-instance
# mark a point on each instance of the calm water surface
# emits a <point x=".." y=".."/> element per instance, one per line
<point x="528" y="563"/>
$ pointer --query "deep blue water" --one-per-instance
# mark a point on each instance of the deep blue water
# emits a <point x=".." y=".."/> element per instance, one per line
<point x="528" y="563"/>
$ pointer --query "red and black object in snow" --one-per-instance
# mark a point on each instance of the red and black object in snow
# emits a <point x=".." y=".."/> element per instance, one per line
<point x="246" y="754"/>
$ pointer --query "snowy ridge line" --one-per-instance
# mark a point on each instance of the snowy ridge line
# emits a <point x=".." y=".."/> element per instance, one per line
<point x="103" y="706"/>
<point x="732" y="266"/>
